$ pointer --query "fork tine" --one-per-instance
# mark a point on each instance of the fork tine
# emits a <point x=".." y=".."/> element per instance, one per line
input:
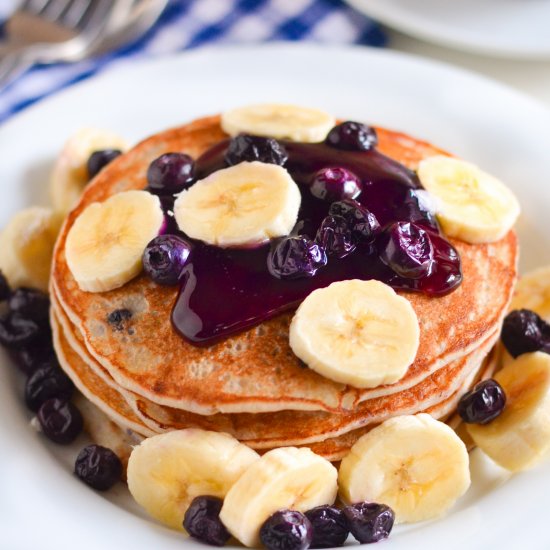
<point x="96" y="14"/>
<point x="75" y="13"/>
<point x="54" y="9"/>
<point x="32" y="6"/>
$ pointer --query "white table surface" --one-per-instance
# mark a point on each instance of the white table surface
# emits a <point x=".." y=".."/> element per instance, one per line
<point x="532" y="77"/>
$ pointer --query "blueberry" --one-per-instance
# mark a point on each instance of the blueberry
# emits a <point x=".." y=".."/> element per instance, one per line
<point x="202" y="521"/>
<point x="335" y="237"/>
<point x="286" y="530"/>
<point x="5" y="290"/>
<point x="170" y="173"/>
<point x="361" y="221"/>
<point x="99" y="159"/>
<point x="250" y="148"/>
<point x="295" y="257"/>
<point x="483" y="403"/>
<point x="165" y="257"/>
<point x="60" y="420"/>
<point x="98" y="467"/>
<point x="524" y="331"/>
<point x="330" y="527"/>
<point x="334" y="184"/>
<point x="408" y="250"/>
<point x="118" y="319"/>
<point x="352" y="136"/>
<point x="32" y="304"/>
<point x="17" y="332"/>
<point x="40" y="354"/>
<point x="369" y="522"/>
<point x="47" y="382"/>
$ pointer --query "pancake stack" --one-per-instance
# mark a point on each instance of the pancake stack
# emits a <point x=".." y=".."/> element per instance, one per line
<point x="123" y="354"/>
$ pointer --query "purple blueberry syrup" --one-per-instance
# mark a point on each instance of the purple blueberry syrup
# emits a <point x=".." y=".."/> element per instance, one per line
<point x="252" y="294"/>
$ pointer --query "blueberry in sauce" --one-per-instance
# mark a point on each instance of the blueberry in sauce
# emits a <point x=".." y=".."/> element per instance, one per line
<point x="98" y="467"/>
<point x="17" y="332"/>
<point x="170" y="173"/>
<point x="352" y="136"/>
<point x="336" y="237"/>
<point x="407" y="249"/>
<point x="286" y="530"/>
<point x="363" y="224"/>
<point x="417" y="207"/>
<point x="334" y="184"/>
<point x="47" y="382"/>
<point x="99" y="159"/>
<point x="524" y="331"/>
<point x="32" y="304"/>
<point x="369" y="521"/>
<point x="202" y="521"/>
<point x="330" y="527"/>
<point x="118" y="319"/>
<point x="5" y="290"/>
<point x="60" y="420"/>
<point x="245" y="148"/>
<point x="165" y="257"/>
<point x="483" y="403"/>
<point x="295" y="257"/>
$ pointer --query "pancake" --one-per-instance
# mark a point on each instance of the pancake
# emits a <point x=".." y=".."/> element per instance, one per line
<point x="256" y="371"/>
<point x="260" y="430"/>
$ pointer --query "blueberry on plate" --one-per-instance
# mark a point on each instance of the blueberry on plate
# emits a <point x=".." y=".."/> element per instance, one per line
<point x="369" y="521"/>
<point x="330" y="527"/>
<point x="170" y="173"/>
<point x="165" y="257"/>
<point x="39" y="354"/>
<point x="47" y="382"/>
<point x="30" y="303"/>
<point x="98" y="467"/>
<point x="334" y="184"/>
<point x="483" y="403"/>
<point x="245" y="148"/>
<point x="524" y="331"/>
<point x="16" y="332"/>
<point x="5" y="290"/>
<point x="336" y="237"/>
<point x="352" y="136"/>
<point x="202" y="520"/>
<point x="99" y="159"/>
<point x="286" y="530"/>
<point x="407" y="249"/>
<point x="295" y="257"/>
<point x="60" y="421"/>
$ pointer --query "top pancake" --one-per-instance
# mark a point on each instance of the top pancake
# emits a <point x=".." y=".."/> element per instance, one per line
<point x="256" y="370"/>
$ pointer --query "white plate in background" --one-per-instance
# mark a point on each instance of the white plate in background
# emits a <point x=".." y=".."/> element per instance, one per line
<point x="504" y="28"/>
<point x="42" y="505"/>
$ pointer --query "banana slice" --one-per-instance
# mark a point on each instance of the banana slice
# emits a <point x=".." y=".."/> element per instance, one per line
<point x="356" y="332"/>
<point x="70" y="174"/>
<point x="26" y="247"/>
<point x="279" y="121"/>
<point x="520" y="437"/>
<point x="105" y="245"/>
<point x="166" y="472"/>
<point x="245" y="204"/>
<point x="473" y="205"/>
<point x="415" y="464"/>
<point x="291" y="478"/>
<point x="533" y="292"/>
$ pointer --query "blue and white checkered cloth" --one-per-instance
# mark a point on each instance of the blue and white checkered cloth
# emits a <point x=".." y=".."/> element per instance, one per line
<point x="187" y="24"/>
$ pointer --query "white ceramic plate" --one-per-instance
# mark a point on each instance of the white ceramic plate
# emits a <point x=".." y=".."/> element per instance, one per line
<point x="41" y="504"/>
<point x="507" y="28"/>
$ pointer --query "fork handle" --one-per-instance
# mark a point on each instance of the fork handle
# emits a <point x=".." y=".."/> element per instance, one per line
<point x="12" y="66"/>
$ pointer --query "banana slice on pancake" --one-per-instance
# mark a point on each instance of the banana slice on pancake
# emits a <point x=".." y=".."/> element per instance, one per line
<point x="285" y="478"/>
<point x="26" y="247"/>
<point x="105" y="244"/>
<point x="472" y="205"/>
<point x="415" y="464"/>
<point x="166" y="472"/>
<point x="279" y="121"/>
<point x="356" y="332"/>
<point x="519" y="437"/>
<point x="245" y="204"/>
<point x="533" y="292"/>
<point x="70" y="173"/>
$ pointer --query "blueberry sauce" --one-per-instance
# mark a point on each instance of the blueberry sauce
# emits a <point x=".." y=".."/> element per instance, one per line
<point x="251" y="294"/>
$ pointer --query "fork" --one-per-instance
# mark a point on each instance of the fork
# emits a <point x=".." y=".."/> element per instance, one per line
<point x="49" y="31"/>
